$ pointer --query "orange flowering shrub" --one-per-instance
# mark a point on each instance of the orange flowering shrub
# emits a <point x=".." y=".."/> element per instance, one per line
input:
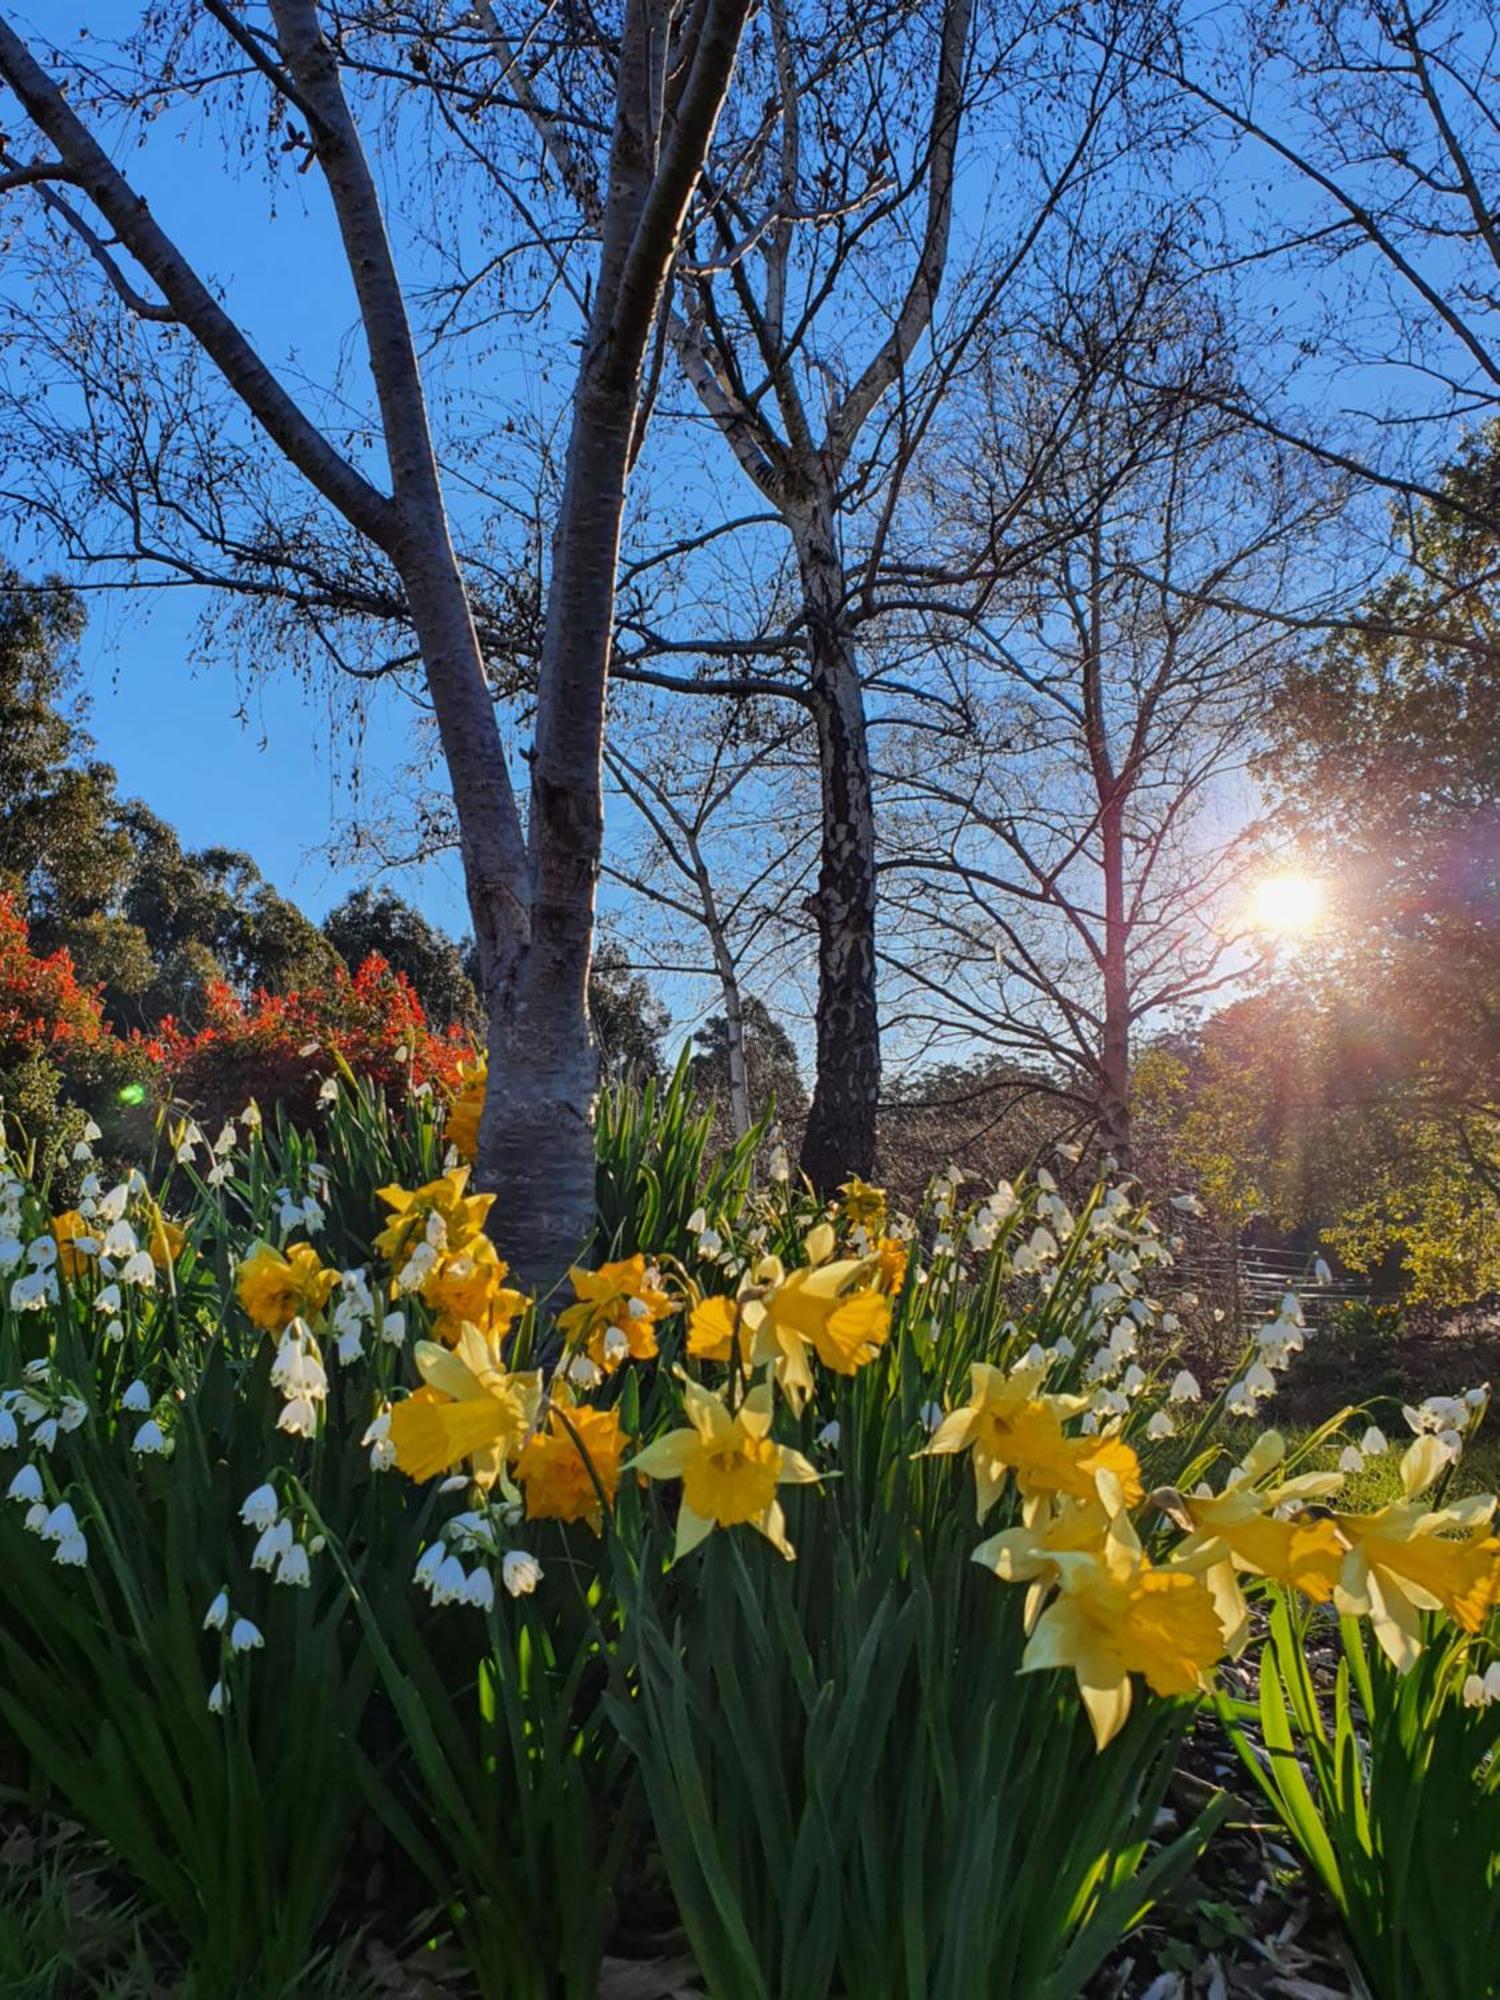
<point x="54" y="1039"/>
<point x="42" y="1003"/>
<point x="280" y="1048"/>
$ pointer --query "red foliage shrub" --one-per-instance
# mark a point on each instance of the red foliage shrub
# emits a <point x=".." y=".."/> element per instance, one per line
<point x="42" y="1004"/>
<point x="279" y="1048"/>
<point x="59" y="1058"/>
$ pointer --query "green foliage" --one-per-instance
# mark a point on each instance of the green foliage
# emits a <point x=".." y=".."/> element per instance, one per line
<point x="772" y="1072"/>
<point x="656" y="1167"/>
<point x="379" y="923"/>
<point x="848" y="1802"/>
<point x="1391" y="1791"/>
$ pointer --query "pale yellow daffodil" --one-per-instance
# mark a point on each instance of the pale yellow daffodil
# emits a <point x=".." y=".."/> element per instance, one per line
<point x="1246" y="1529"/>
<point x="1027" y="1554"/>
<point x="1115" y="1615"/>
<point x="1008" y="1425"/>
<point x="831" y="1309"/>
<point x="730" y="1467"/>
<point x="1408" y="1558"/>
<point x="469" y="1407"/>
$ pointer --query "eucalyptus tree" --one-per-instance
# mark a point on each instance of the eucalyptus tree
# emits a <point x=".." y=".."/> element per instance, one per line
<point x="333" y="495"/>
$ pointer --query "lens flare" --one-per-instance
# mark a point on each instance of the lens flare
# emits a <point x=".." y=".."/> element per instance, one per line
<point x="1287" y="905"/>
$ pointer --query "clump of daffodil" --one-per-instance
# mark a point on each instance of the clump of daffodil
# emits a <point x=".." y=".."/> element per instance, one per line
<point x="1009" y="1425"/>
<point x="1115" y="1615"/>
<point x="1255" y="1528"/>
<point x="468" y="1287"/>
<point x="571" y="1470"/>
<point x="469" y="1407"/>
<point x="617" y="1312"/>
<point x="277" y="1286"/>
<point x="436" y="1246"/>
<point x="440" y="1214"/>
<point x="1411" y="1557"/>
<point x="730" y="1467"/>
<point x="466" y="1107"/>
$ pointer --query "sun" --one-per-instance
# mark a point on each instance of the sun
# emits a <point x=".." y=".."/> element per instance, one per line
<point x="1287" y="905"/>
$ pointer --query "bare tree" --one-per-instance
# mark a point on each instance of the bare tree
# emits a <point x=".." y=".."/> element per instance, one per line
<point x="1354" y="154"/>
<point x="720" y="862"/>
<point x="805" y="322"/>
<point x="530" y="889"/>
<point x="1072" y="873"/>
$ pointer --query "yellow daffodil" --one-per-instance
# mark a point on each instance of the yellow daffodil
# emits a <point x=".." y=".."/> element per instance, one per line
<point x="713" y="1326"/>
<point x="862" y="1205"/>
<point x="1009" y="1426"/>
<point x="829" y="1309"/>
<point x="1116" y="1615"/>
<point x="1027" y="1554"/>
<point x="617" y="1312"/>
<point x="77" y="1243"/>
<point x="468" y="1288"/>
<point x="1408" y="1558"/>
<point x="275" y="1287"/>
<point x="469" y="1407"/>
<point x="730" y="1468"/>
<point x="439" y="1213"/>
<point x="467" y="1107"/>
<point x="167" y="1240"/>
<point x="890" y="1264"/>
<point x="555" y="1475"/>
<point x="1246" y="1529"/>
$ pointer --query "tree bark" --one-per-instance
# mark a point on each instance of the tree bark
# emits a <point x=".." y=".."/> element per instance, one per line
<point x="536" y="1138"/>
<point x="840" y="1137"/>
<point x="537" y="1134"/>
<point x="1114" y="1044"/>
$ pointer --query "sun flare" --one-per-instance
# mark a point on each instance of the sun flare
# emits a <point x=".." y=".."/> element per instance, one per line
<point x="1287" y="905"/>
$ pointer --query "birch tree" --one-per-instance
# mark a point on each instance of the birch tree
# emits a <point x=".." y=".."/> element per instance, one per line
<point x="531" y="883"/>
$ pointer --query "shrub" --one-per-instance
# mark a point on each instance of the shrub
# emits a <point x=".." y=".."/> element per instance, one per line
<point x="284" y="1048"/>
<point x="60" y="1063"/>
<point x="1389" y="1784"/>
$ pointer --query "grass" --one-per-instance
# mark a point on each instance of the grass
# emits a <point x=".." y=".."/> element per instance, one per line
<point x="68" y="1931"/>
<point x="65" y="1931"/>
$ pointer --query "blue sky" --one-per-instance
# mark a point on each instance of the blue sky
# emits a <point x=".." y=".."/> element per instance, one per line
<point x="258" y="761"/>
<point x="254" y="767"/>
